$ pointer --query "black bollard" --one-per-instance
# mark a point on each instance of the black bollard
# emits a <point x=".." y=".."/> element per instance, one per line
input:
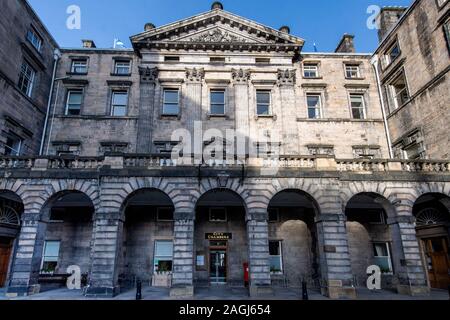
<point x="304" y="290"/>
<point x="139" y="290"/>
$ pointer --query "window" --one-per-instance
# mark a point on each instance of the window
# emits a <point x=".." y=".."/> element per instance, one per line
<point x="357" y="106"/>
<point x="164" y="214"/>
<point x="26" y="78"/>
<point x="79" y="66"/>
<point x="352" y="71"/>
<point x="50" y="256"/>
<point x="274" y="215"/>
<point x="217" y="214"/>
<point x="34" y="39"/>
<point x="314" y="106"/>
<point x="263" y="102"/>
<point x="13" y="145"/>
<point x="122" y="67"/>
<point x="382" y="257"/>
<point x="163" y="256"/>
<point x="73" y="104"/>
<point x="276" y="263"/>
<point x="399" y="91"/>
<point x="392" y="53"/>
<point x="217" y="102"/>
<point x="119" y="103"/>
<point x="411" y="146"/>
<point x="311" y="70"/>
<point x="171" y="105"/>
<point x="171" y="58"/>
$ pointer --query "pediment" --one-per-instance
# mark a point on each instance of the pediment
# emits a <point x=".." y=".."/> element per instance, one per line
<point x="218" y="34"/>
<point x="217" y="28"/>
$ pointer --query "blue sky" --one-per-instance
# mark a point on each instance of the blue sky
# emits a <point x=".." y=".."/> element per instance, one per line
<point x="317" y="21"/>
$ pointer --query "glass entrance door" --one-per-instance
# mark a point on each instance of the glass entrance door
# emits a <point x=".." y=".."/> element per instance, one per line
<point x="218" y="266"/>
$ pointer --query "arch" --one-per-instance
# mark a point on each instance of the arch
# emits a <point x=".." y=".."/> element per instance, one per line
<point x="303" y="185"/>
<point x="432" y="209"/>
<point x="11" y="208"/>
<point x="63" y="195"/>
<point x="232" y="192"/>
<point x="114" y="193"/>
<point x="382" y="189"/>
<point x="413" y="194"/>
<point x="377" y="198"/>
<point x="138" y="192"/>
<point x="299" y="192"/>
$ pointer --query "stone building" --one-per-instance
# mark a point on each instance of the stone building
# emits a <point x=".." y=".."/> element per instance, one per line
<point x="413" y="65"/>
<point x="216" y="144"/>
<point x="27" y="53"/>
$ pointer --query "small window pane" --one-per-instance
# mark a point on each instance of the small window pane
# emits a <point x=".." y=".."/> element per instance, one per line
<point x="34" y="39"/>
<point x="274" y="248"/>
<point x="122" y="67"/>
<point x="263" y="102"/>
<point x="171" y="96"/>
<point x="314" y="106"/>
<point x="79" y="66"/>
<point x="218" y="97"/>
<point x="263" y="97"/>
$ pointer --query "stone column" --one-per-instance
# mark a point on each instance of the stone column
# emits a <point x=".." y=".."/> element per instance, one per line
<point x="258" y="250"/>
<point x="105" y="255"/>
<point x="335" y="264"/>
<point x="241" y="99"/>
<point x="183" y="258"/>
<point x="290" y="138"/>
<point x="146" y="109"/>
<point x="408" y="266"/>
<point x="27" y="258"/>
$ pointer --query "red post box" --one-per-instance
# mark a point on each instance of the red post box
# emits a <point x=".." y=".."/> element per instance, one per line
<point x="246" y="274"/>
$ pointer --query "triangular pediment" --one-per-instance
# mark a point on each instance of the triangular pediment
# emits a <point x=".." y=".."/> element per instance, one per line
<point x="217" y="27"/>
<point x="219" y="34"/>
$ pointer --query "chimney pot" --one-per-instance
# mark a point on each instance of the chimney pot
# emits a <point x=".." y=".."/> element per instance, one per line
<point x="346" y="45"/>
<point x="88" y="44"/>
<point x="149" y="26"/>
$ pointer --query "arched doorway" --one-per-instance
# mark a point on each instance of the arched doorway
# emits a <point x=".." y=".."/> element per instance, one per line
<point x="11" y="209"/>
<point x="147" y="250"/>
<point x="220" y="239"/>
<point x="433" y="228"/>
<point x="68" y="221"/>
<point x="293" y="250"/>
<point x="369" y="237"/>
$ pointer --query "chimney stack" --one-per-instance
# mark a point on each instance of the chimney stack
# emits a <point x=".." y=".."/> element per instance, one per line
<point x="387" y="19"/>
<point x="88" y="44"/>
<point x="346" y="45"/>
<point x="149" y="26"/>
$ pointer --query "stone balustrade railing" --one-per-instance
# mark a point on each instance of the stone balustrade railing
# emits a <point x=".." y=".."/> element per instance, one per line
<point x="319" y="163"/>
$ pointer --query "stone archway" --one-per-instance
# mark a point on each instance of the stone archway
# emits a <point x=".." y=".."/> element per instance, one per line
<point x="11" y="209"/>
<point x="293" y="247"/>
<point x="369" y="237"/>
<point x="220" y="238"/>
<point x="432" y="213"/>
<point x="146" y="253"/>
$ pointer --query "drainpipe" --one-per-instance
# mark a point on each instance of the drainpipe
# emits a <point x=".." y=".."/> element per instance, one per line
<point x="56" y="57"/>
<point x="375" y="62"/>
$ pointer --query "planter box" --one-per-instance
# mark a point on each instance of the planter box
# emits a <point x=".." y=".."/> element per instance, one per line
<point x="162" y="280"/>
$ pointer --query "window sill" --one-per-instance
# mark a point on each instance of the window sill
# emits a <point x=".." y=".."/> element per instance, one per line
<point x="77" y="73"/>
<point x="170" y="117"/>
<point x="355" y="78"/>
<point x="218" y="116"/>
<point x="312" y="78"/>
<point x="120" y="74"/>
<point x="269" y="116"/>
